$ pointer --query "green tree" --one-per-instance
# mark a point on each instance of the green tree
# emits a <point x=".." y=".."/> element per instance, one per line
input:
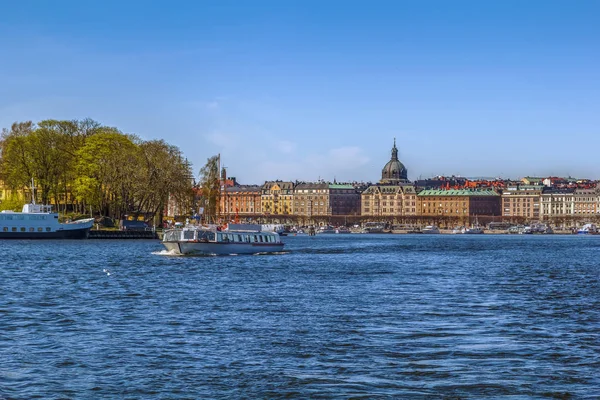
<point x="106" y="171"/>
<point x="163" y="173"/>
<point x="210" y="186"/>
<point x="16" y="165"/>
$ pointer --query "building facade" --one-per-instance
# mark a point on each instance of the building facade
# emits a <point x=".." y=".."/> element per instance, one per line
<point x="557" y="203"/>
<point x="393" y="196"/>
<point x="314" y="199"/>
<point x="389" y="201"/>
<point x="522" y="201"/>
<point x="585" y="203"/>
<point x="241" y="200"/>
<point x="277" y="198"/>
<point x="458" y="203"/>
<point x="311" y="199"/>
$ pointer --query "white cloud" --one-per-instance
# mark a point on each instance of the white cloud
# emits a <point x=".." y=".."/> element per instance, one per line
<point x="286" y="147"/>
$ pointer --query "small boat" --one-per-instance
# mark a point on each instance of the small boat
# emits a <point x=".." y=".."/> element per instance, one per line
<point x="277" y="228"/>
<point x="236" y="239"/>
<point x="458" y="230"/>
<point x="326" y="229"/>
<point x="588" y="229"/>
<point x="373" y="227"/>
<point x="516" y="229"/>
<point x="475" y="229"/>
<point x="37" y="221"/>
<point x="342" y="229"/>
<point x="527" y="230"/>
<point x="430" y="229"/>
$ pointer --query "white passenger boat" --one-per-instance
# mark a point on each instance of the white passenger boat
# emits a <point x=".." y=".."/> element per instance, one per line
<point x="37" y="221"/>
<point x="236" y="239"/>
<point x="431" y="229"/>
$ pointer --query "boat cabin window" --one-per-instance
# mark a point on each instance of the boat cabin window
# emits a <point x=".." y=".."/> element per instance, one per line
<point x="188" y="235"/>
<point x="206" y="236"/>
<point x="32" y="229"/>
<point x="14" y="229"/>
<point x="5" y="229"/>
<point x="239" y="238"/>
<point x="255" y="238"/>
<point x="23" y="229"/>
<point x="48" y="229"/>
<point x="260" y="238"/>
<point x="40" y="229"/>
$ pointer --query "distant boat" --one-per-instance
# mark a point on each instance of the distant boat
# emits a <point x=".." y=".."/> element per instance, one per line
<point x="475" y="229"/>
<point x="373" y="227"/>
<point x="431" y="229"/>
<point x="458" y="229"/>
<point x="277" y="228"/>
<point x="588" y="229"/>
<point x="342" y="229"/>
<point x="326" y="229"/>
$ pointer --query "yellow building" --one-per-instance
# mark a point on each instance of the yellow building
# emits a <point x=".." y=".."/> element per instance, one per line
<point x="389" y="201"/>
<point x="277" y="198"/>
<point x="13" y="197"/>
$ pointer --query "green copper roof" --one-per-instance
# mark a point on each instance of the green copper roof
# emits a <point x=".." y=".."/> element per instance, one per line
<point x="458" y="192"/>
<point x="340" y="186"/>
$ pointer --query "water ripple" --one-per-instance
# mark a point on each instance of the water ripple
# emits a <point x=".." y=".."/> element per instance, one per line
<point x="344" y="316"/>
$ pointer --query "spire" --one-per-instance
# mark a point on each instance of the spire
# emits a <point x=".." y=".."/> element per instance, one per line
<point x="394" y="152"/>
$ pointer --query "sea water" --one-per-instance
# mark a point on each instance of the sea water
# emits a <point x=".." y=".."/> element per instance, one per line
<point x="373" y="316"/>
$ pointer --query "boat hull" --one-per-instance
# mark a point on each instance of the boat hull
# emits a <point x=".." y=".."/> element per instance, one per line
<point x="81" y="233"/>
<point x="222" y="248"/>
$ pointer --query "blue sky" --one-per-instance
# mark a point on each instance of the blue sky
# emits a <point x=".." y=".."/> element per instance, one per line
<point x="319" y="89"/>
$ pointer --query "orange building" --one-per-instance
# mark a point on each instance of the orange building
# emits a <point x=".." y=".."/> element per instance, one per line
<point x="242" y="200"/>
<point x="458" y="203"/>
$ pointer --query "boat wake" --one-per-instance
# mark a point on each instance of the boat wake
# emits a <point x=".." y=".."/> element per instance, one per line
<point x="170" y="253"/>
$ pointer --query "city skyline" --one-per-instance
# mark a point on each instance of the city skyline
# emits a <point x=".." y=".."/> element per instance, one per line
<point x="310" y="90"/>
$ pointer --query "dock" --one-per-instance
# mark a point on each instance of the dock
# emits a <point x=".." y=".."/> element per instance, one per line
<point x="113" y="234"/>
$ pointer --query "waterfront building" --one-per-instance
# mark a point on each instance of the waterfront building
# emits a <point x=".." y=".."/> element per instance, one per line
<point x="389" y="201"/>
<point x="311" y="199"/>
<point x="277" y="198"/>
<point x="315" y="199"/>
<point x="344" y="199"/>
<point x="557" y="203"/>
<point x="522" y="201"/>
<point x="458" y="203"/>
<point x="585" y="202"/>
<point x="241" y="200"/>
<point x="393" y="196"/>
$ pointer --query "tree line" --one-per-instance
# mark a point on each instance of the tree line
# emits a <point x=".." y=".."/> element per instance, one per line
<point x="82" y="165"/>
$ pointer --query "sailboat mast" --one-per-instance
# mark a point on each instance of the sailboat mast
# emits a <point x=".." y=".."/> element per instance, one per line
<point x="219" y="197"/>
<point x="32" y="192"/>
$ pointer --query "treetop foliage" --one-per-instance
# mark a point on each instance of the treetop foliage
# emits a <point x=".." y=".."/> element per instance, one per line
<point x="84" y="164"/>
